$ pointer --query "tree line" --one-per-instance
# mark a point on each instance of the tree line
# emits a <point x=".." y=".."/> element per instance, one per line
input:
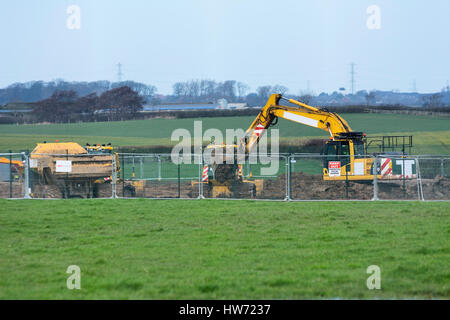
<point x="210" y="91"/>
<point x="120" y="103"/>
<point x="203" y="90"/>
<point x="39" y="90"/>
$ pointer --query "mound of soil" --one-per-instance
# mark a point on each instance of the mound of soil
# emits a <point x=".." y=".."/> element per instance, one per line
<point x="436" y="189"/>
<point x="303" y="187"/>
<point x="313" y="187"/>
<point x="46" y="191"/>
<point x="163" y="189"/>
<point x="17" y="190"/>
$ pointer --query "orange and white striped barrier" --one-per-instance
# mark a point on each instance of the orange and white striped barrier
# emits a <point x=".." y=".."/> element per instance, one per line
<point x="205" y="174"/>
<point x="386" y="166"/>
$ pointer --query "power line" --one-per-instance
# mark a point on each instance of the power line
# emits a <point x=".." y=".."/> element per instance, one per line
<point x="352" y="74"/>
<point x="119" y="72"/>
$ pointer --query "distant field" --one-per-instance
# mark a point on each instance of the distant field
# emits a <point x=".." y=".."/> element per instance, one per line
<point x="431" y="134"/>
<point x="158" y="249"/>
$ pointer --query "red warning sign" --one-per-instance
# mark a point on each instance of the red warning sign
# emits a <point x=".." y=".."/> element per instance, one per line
<point x="334" y="168"/>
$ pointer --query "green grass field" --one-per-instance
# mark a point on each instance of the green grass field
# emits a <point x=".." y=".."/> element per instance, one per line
<point x="430" y="134"/>
<point x="158" y="249"/>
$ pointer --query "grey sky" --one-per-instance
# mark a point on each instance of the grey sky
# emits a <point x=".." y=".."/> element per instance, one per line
<point x="255" y="41"/>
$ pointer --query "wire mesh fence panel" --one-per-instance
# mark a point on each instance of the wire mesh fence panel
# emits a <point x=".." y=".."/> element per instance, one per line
<point x="398" y="178"/>
<point x="12" y="175"/>
<point x="71" y="175"/>
<point x="431" y="168"/>
<point x="278" y="177"/>
<point x="316" y="177"/>
<point x="272" y="172"/>
<point x="434" y="178"/>
<point x="158" y="176"/>
<point x="398" y="189"/>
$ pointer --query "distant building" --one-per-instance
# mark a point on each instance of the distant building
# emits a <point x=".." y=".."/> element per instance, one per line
<point x="180" y="106"/>
<point x="238" y="105"/>
<point x="221" y="104"/>
<point x="14" y="107"/>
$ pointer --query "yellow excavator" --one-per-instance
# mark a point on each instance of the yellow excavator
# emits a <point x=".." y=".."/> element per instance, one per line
<point x="345" y="153"/>
<point x="15" y="166"/>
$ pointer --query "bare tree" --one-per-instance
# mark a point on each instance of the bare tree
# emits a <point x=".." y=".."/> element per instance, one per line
<point x="121" y="103"/>
<point x="264" y="92"/>
<point x="278" y="88"/>
<point x="203" y="87"/>
<point x="146" y="91"/>
<point x="242" y="89"/>
<point x="210" y="88"/>
<point x="179" y="89"/>
<point x="306" y="98"/>
<point x="57" y="108"/>
<point x="193" y="89"/>
<point x="226" y="89"/>
<point x="432" y="101"/>
<point x="370" y="98"/>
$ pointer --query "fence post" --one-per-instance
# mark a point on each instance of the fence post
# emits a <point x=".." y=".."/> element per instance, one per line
<point x="67" y="177"/>
<point x="404" y="172"/>
<point x="419" y="181"/>
<point x="27" y="176"/>
<point x="375" y="179"/>
<point x="346" y="181"/>
<point x="200" y="175"/>
<point x="10" y="174"/>
<point x="123" y="176"/>
<point x="141" y="160"/>
<point x="114" y="178"/>
<point x="159" y="168"/>
<point x="179" y="187"/>
<point x="288" y="177"/>
<point x="133" y="174"/>
<point x="442" y="167"/>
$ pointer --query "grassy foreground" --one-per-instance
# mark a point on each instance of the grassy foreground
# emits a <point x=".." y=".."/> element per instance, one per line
<point x="159" y="249"/>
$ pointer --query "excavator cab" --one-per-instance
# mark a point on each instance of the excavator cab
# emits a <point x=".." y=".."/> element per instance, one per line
<point x="345" y="148"/>
<point x="337" y="151"/>
<point x="345" y="155"/>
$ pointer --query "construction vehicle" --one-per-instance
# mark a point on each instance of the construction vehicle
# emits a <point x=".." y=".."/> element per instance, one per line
<point x="223" y="175"/>
<point x="68" y="170"/>
<point x="10" y="169"/>
<point x="345" y="153"/>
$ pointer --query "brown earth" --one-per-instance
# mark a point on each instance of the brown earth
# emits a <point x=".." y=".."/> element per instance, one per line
<point x="46" y="191"/>
<point x="17" y="189"/>
<point x="436" y="189"/>
<point x="303" y="187"/>
<point x="313" y="187"/>
<point x="164" y="189"/>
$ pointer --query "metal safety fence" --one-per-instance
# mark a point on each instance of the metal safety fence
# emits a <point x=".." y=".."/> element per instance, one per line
<point x="14" y="175"/>
<point x="293" y="177"/>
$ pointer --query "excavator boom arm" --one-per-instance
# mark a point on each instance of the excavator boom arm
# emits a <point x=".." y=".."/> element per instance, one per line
<point x="304" y="114"/>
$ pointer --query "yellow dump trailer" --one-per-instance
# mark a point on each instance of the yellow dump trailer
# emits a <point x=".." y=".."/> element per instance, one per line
<point x="68" y="170"/>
